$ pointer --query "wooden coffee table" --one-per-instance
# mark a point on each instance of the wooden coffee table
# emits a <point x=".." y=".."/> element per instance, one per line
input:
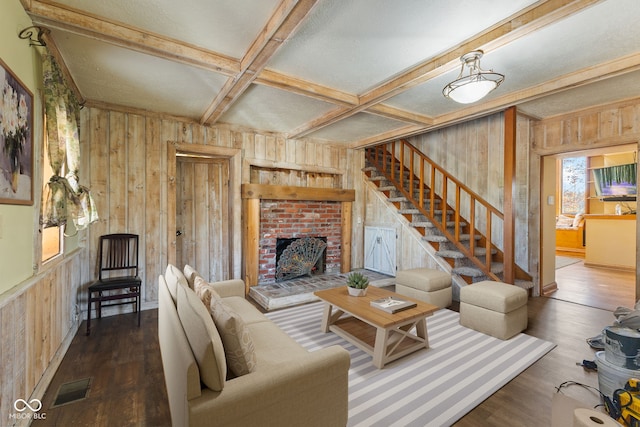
<point x="383" y="335"/>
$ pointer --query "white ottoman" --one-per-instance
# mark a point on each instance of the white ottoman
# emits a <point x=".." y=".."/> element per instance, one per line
<point x="494" y="308"/>
<point x="425" y="284"/>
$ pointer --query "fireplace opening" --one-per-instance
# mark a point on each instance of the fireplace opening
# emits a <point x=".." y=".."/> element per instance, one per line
<point x="296" y="257"/>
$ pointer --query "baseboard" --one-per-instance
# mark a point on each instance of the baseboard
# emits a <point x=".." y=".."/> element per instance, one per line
<point x="549" y="288"/>
<point x="611" y="267"/>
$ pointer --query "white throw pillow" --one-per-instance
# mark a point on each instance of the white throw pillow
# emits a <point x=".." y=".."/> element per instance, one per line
<point x="238" y="345"/>
<point x="576" y="220"/>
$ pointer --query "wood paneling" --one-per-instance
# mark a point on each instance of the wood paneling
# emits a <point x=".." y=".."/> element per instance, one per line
<point x="596" y="127"/>
<point x="37" y="323"/>
<point x="134" y="178"/>
<point x="474" y="153"/>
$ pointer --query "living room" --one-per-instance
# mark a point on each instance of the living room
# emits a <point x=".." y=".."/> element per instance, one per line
<point x="138" y="159"/>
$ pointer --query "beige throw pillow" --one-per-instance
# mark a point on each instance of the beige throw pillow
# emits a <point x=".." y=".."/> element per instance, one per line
<point x="190" y="274"/>
<point x="203" y="337"/>
<point x="174" y="278"/>
<point x="205" y="291"/>
<point x="238" y="345"/>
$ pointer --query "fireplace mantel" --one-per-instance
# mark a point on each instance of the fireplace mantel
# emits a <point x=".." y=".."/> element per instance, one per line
<point x="288" y="192"/>
<point x="252" y="194"/>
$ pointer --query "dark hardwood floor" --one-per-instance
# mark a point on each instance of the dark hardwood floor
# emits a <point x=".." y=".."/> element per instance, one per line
<point x="127" y="383"/>
<point x="127" y="387"/>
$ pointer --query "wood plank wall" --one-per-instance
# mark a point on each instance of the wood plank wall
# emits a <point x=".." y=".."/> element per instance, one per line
<point x="37" y="324"/>
<point x="128" y="162"/>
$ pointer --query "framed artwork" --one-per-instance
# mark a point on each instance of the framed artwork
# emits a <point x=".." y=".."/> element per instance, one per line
<point x="16" y="140"/>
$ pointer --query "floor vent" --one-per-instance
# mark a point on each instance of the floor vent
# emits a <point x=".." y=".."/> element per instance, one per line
<point x="72" y="392"/>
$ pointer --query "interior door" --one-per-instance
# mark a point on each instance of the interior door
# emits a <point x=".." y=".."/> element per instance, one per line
<point x="202" y="216"/>
<point x="380" y="249"/>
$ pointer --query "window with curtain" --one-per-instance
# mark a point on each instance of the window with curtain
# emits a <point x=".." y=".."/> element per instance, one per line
<point x="64" y="199"/>
<point x="573" y="185"/>
<point x="52" y="237"/>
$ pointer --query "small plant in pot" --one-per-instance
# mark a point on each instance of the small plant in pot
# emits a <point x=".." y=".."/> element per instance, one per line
<point x="357" y="284"/>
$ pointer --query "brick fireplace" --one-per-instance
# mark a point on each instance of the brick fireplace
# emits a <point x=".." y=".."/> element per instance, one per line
<point x="290" y="219"/>
<point x="272" y="211"/>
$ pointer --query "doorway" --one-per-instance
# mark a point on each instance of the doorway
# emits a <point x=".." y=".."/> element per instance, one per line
<point x="202" y="217"/>
<point x="203" y="211"/>
<point x="589" y="283"/>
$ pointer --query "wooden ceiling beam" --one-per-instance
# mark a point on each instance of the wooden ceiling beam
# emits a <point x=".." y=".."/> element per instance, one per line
<point x="60" y="17"/>
<point x="288" y="16"/>
<point x="305" y="88"/>
<point x="572" y="80"/>
<point x="533" y="18"/>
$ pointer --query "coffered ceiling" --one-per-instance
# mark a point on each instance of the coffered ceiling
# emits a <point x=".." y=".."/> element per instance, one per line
<point x="348" y="71"/>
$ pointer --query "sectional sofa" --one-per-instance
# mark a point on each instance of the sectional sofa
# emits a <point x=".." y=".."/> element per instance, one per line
<point x="262" y="377"/>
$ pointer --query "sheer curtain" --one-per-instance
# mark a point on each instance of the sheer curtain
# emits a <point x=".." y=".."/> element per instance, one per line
<point x="63" y="197"/>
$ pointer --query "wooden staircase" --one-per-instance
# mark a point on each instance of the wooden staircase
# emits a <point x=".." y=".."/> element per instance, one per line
<point x="457" y="233"/>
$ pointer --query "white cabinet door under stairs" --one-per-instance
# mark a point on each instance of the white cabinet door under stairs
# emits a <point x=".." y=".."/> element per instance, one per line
<point x="380" y="249"/>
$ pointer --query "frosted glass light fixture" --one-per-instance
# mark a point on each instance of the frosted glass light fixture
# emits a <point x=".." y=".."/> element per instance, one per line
<point x="476" y="84"/>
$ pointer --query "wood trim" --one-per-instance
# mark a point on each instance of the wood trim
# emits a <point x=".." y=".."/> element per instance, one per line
<point x="251" y="242"/>
<point x="345" y="253"/>
<point x="232" y="156"/>
<point x="509" y="222"/>
<point x="287" y="192"/>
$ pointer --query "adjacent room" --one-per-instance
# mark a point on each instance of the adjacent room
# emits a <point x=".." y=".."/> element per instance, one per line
<point x="318" y="213"/>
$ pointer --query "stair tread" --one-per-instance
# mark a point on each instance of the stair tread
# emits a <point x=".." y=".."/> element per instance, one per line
<point x="468" y="271"/>
<point x="451" y="254"/>
<point x="435" y="238"/>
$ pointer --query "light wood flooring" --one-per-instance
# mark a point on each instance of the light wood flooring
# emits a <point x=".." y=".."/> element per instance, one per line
<point x="127" y="387"/>
<point x="605" y="288"/>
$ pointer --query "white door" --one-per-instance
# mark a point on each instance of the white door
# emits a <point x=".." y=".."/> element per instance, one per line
<point x="380" y="249"/>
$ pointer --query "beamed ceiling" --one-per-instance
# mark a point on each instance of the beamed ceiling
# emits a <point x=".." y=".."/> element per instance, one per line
<point x="354" y="72"/>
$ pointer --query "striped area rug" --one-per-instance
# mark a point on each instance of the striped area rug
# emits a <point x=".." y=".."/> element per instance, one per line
<point x="434" y="387"/>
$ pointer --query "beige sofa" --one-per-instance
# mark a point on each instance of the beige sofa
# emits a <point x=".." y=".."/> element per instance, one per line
<point x="288" y="386"/>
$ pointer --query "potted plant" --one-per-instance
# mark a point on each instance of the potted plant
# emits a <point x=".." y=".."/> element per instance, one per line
<point x="357" y="284"/>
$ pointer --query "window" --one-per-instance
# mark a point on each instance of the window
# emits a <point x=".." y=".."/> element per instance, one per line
<point x="52" y="237"/>
<point x="573" y="185"/>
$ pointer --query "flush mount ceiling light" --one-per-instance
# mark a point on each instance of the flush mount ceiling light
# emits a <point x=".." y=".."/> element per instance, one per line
<point x="474" y="86"/>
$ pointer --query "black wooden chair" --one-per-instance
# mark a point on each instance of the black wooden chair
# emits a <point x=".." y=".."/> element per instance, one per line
<point x="118" y="282"/>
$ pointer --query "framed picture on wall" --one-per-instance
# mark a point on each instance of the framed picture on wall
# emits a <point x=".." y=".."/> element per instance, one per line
<point x="16" y="139"/>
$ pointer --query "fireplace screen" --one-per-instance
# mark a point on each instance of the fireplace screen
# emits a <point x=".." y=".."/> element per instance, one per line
<point x="299" y="257"/>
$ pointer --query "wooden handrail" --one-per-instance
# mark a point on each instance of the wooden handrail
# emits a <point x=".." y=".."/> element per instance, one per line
<point x="429" y="176"/>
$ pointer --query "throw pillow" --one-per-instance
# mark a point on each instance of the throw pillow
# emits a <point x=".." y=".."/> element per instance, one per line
<point x="190" y="273"/>
<point x="204" y="340"/>
<point x="236" y="339"/>
<point x="174" y="277"/>
<point x="205" y="291"/>
<point x="576" y="220"/>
